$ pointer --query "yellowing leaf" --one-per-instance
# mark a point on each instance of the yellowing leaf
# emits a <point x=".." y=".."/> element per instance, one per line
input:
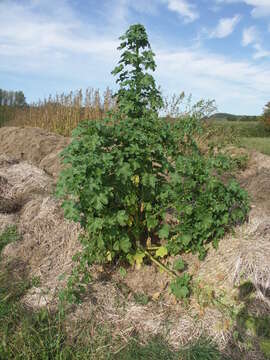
<point x="135" y="179"/>
<point x="138" y="258"/>
<point x="162" y="251"/>
<point x="156" y="295"/>
<point x="109" y="256"/>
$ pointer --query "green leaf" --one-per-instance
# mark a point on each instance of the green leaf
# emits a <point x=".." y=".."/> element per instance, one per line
<point x="186" y="239"/>
<point x="152" y="222"/>
<point x="125" y="171"/>
<point x="125" y="244"/>
<point x="180" y="286"/>
<point x="207" y="221"/>
<point x="122" y="272"/>
<point x="100" y="242"/>
<point x="122" y="217"/>
<point x="180" y="292"/>
<point x="162" y="251"/>
<point x="189" y="209"/>
<point x="164" y="231"/>
<point x="116" y="246"/>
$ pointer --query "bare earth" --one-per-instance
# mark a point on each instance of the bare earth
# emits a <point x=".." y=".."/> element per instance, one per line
<point x="29" y="166"/>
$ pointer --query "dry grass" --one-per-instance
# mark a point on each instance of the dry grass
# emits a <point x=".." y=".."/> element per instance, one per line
<point x="62" y="113"/>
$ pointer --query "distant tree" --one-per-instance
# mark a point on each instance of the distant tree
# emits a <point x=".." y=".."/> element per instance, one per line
<point x="5" y="97"/>
<point x="20" y="98"/>
<point x="231" y="117"/>
<point x="266" y="115"/>
<point x="12" y="98"/>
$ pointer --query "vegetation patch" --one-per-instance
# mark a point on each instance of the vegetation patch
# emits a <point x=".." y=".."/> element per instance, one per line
<point x="261" y="144"/>
<point x="9" y="235"/>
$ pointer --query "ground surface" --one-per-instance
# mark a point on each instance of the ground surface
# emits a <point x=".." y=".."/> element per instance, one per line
<point x="138" y="301"/>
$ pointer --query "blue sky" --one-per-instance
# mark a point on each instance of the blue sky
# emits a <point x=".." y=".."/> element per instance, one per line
<point x="214" y="49"/>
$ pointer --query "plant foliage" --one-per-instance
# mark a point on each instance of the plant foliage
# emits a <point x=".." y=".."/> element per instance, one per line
<point x="125" y="174"/>
<point x="138" y="92"/>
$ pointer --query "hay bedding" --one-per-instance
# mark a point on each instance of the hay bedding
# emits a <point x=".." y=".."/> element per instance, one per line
<point x="34" y="145"/>
<point x="49" y="242"/>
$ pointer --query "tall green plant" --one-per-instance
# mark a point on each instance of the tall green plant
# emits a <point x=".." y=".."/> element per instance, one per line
<point x="125" y="174"/>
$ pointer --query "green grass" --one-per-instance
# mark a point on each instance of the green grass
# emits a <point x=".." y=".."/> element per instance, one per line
<point x="249" y="134"/>
<point x="202" y="350"/>
<point x="242" y="128"/>
<point x="9" y="235"/>
<point x="155" y="349"/>
<point x="255" y="143"/>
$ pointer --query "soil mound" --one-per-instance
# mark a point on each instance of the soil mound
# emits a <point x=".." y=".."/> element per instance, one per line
<point x="34" y="145"/>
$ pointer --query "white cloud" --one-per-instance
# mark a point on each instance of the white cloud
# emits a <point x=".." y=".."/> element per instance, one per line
<point x="250" y="35"/>
<point x="260" y="52"/>
<point x="225" y="27"/>
<point x="26" y="32"/>
<point x="183" y="8"/>
<point x="261" y="8"/>
<point x="148" y="7"/>
<point x="240" y="86"/>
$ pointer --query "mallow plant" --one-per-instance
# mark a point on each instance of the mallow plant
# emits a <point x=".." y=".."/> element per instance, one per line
<point x="124" y="176"/>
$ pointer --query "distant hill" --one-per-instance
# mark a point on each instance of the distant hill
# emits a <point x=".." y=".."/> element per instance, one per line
<point x="232" y="117"/>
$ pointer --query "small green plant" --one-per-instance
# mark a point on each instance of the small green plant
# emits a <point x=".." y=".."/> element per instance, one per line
<point x="125" y="173"/>
<point x="180" y="286"/>
<point x="122" y="272"/>
<point x="141" y="298"/>
<point x="10" y="234"/>
<point x="179" y="264"/>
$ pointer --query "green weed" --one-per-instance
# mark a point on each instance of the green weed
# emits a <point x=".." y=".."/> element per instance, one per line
<point x="155" y="349"/>
<point x="9" y="235"/>
<point x="201" y="350"/>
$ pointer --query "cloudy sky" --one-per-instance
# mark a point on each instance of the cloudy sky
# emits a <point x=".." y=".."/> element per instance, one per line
<point x="214" y="49"/>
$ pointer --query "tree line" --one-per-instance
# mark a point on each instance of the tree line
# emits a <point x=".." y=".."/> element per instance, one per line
<point x="12" y="98"/>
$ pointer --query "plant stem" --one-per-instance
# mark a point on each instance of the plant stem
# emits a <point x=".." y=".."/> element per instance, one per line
<point x="163" y="267"/>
